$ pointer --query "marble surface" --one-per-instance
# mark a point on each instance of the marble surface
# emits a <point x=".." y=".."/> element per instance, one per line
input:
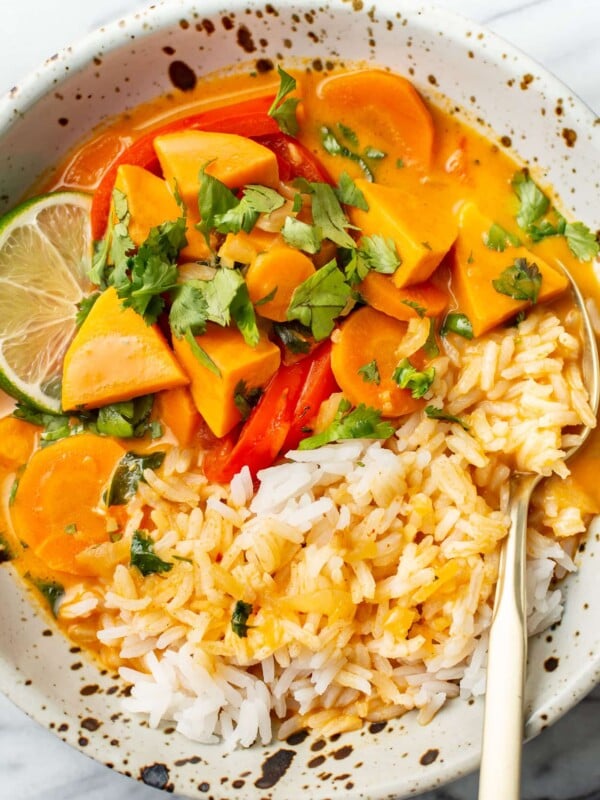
<point x="562" y="763"/>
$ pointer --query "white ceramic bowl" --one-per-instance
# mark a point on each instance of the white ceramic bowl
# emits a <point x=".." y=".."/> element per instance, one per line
<point x="521" y="107"/>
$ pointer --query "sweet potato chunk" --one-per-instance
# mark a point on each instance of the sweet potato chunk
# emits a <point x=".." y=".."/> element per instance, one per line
<point x="233" y="159"/>
<point x="475" y="266"/>
<point x="421" y="224"/>
<point x="214" y="395"/>
<point x="115" y="356"/>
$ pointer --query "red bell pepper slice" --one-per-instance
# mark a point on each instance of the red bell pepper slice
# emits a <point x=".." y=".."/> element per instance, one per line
<point x="320" y="384"/>
<point x="294" y="159"/>
<point x="276" y="424"/>
<point x="248" y="118"/>
<point x="264" y="432"/>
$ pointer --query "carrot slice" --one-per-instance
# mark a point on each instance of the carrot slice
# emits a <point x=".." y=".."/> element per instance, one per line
<point x="278" y="272"/>
<point x="422" y="299"/>
<point x="115" y="356"/>
<point x="386" y="104"/>
<point x="366" y="336"/>
<point x="57" y="507"/>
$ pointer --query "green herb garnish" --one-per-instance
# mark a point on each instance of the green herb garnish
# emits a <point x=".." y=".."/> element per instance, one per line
<point x="409" y="377"/>
<point x="498" y="238"/>
<point x="52" y="591"/>
<point x="370" y="373"/>
<point x="521" y="281"/>
<point x="283" y="108"/>
<point x="128" y="474"/>
<point x="433" y="412"/>
<point x="143" y="557"/>
<point x="239" y="618"/>
<point x="319" y="300"/>
<point x="457" y="323"/>
<point x="363" y="422"/>
<point x="246" y="398"/>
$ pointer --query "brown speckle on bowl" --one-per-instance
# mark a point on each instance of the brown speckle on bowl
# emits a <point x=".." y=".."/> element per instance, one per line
<point x="570" y="136"/>
<point x="526" y="80"/>
<point x="429" y="756"/>
<point x="550" y="664"/>
<point x="245" y="40"/>
<point x="182" y="76"/>
<point x="274" y="767"/>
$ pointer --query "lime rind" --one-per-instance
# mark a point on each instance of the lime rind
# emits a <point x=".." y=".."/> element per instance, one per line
<point x="45" y="256"/>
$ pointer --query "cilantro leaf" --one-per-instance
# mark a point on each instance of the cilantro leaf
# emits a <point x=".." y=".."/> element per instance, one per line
<point x="319" y="300"/>
<point x="348" y="193"/>
<point x="294" y="340"/>
<point x="498" y="238"/>
<point x="533" y="202"/>
<point x="348" y="134"/>
<point x="256" y="200"/>
<point x="457" y="323"/>
<point x="328" y="215"/>
<point x="363" y="422"/>
<point x="582" y="242"/>
<point x="127" y="419"/>
<point x="544" y="229"/>
<point x="431" y="346"/>
<point x="521" y="281"/>
<point x="189" y="309"/>
<point x="214" y="200"/>
<point x="418" y="308"/>
<point x="301" y="235"/>
<point x="239" y="618"/>
<point x="128" y="474"/>
<point x="333" y="146"/>
<point x="116" y="246"/>
<point x="245" y="399"/>
<point x="143" y="557"/>
<point x="374" y="152"/>
<point x="370" y="373"/>
<point x="242" y="312"/>
<point x="84" y="307"/>
<point x="409" y="377"/>
<point x="433" y="412"/>
<point x="200" y="354"/>
<point x="379" y="254"/>
<point x="283" y="111"/>
<point x="154" y="270"/>
<point x="52" y="591"/>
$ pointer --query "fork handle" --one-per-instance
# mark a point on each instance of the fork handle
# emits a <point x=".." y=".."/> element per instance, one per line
<point x="500" y="772"/>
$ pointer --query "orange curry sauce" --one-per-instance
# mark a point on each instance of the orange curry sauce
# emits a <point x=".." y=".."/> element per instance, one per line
<point x="465" y="165"/>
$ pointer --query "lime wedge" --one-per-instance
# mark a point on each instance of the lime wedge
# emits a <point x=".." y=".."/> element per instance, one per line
<point x="45" y="256"/>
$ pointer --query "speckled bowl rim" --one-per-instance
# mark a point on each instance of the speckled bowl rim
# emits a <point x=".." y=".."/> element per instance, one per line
<point x="117" y="34"/>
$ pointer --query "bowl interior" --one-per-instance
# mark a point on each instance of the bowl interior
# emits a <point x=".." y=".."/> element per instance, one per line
<point x="485" y="81"/>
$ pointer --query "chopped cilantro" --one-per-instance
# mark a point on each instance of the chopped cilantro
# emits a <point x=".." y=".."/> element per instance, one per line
<point x="239" y="618"/>
<point x="13" y="491"/>
<point x="200" y="354"/>
<point x="362" y="422"/>
<point x="256" y="200"/>
<point x="418" y="308"/>
<point x="521" y="281"/>
<point x="71" y="529"/>
<point x="333" y="146"/>
<point x="497" y="238"/>
<point x="214" y="201"/>
<point x="319" y="300"/>
<point x="409" y="377"/>
<point x="246" y="398"/>
<point x="301" y="235"/>
<point x="431" y="346"/>
<point x="52" y="591"/>
<point x="374" y="152"/>
<point x="433" y="412"/>
<point x="296" y="341"/>
<point x="582" y="242"/>
<point x="283" y="108"/>
<point x="457" y="323"/>
<point x="348" y="134"/>
<point x="84" y="307"/>
<point x="267" y="298"/>
<point x="370" y="372"/>
<point x="143" y="557"/>
<point x="189" y="309"/>
<point x="544" y="228"/>
<point x="128" y="474"/>
<point x="328" y="215"/>
<point x="399" y="163"/>
<point x="377" y="254"/>
<point x="533" y="202"/>
<point x="348" y="193"/>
